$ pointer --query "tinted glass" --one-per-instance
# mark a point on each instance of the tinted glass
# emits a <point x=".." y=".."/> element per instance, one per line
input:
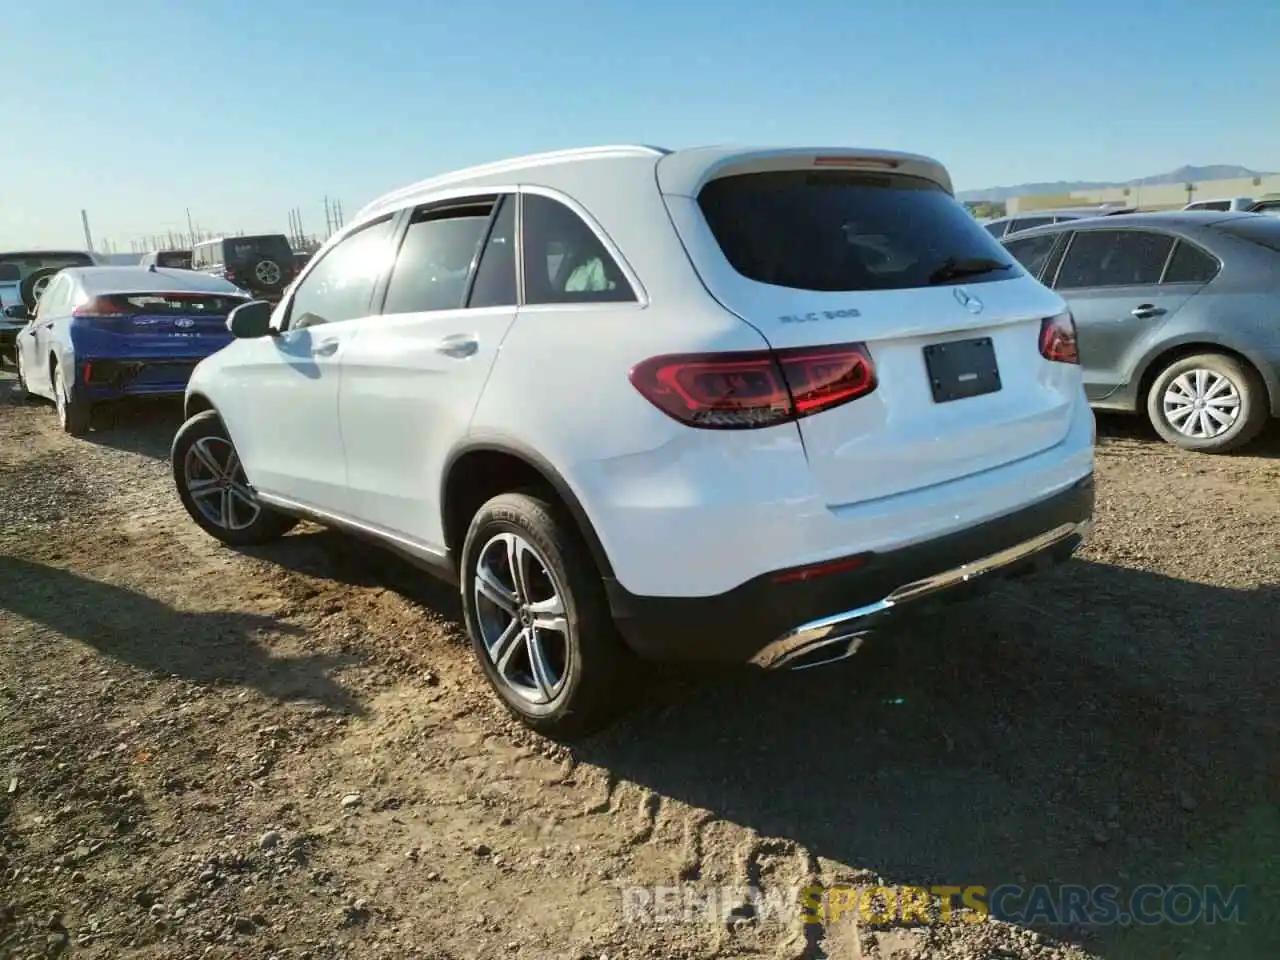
<point x="1190" y="265"/>
<point x="1026" y="223"/>
<point x="495" y="282"/>
<point x="996" y="229"/>
<point x="435" y="259"/>
<point x="1264" y="231"/>
<point x="564" y="261"/>
<point x="1032" y="252"/>
<point x="175" y="304"/>
<point x="1114" y="258"/>
<point x="340" y="285"/>
<point x="174" y="258"/>
<point x="238" y="249"/>
<point x="844" y="231"/>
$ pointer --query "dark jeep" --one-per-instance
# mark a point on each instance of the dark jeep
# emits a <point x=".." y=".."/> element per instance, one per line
<point x="263" y="265"/>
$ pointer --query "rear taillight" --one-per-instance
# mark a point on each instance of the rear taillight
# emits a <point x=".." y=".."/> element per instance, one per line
<point x="100" y="308"/>
<point x="739" y="391"/>
<point x="1058" y="339"/>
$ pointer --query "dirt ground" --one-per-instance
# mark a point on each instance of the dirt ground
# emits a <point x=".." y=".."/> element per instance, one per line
<point x="288" y="752"/>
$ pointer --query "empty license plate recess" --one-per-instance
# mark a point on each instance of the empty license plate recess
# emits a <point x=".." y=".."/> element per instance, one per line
<point x="962" y="368"/>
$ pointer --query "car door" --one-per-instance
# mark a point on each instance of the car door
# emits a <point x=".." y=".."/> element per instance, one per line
<point x="1110" y="277"/>
<point x="283" y="410"/>
<point x="40" y="335"/>
<point x="412" y="376"/>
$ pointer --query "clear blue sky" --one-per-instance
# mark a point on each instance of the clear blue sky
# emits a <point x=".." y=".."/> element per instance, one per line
<point x="242" y="109"/>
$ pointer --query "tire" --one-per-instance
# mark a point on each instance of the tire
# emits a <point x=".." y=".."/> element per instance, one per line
<point x="264" y="270"/>
<point x="75" y="415"/>
<point x="591" y="672"/>
<point x="27" y="290"/>
<point x="251" y="522"/>
<point x="1227" y="384"/>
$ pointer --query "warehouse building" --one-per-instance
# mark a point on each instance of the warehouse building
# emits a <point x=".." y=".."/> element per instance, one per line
<point x="1161" y="197"/>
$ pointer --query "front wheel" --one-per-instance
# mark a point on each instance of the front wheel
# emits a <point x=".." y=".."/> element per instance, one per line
<point x="538" y="619"/>
<point x="214" y="489"/>
<point x="1208" y="403"/>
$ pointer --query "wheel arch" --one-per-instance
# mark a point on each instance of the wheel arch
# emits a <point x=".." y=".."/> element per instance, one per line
<point x="1171" y="353"/>
<point x="196" y="403"/>
<point x="481" y="469"/>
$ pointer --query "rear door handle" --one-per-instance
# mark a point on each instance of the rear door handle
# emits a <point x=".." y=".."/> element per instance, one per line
<point x="459" y="346"/>
<point x="1146" y="311"/>
<point x="326" y="348"/>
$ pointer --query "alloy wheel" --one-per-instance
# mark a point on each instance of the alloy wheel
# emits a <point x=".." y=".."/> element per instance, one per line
<point x="1201" y="404"/>
<point x="38" y="287"/>
<point x="521" y="617"/>
<point x="216" y="480"/>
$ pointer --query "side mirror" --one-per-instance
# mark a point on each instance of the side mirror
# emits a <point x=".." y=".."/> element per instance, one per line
<point x="17" y="312"/>
<point x="251" y="320"/>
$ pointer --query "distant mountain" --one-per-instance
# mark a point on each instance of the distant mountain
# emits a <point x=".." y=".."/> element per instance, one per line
<point x="1217" y="171"/>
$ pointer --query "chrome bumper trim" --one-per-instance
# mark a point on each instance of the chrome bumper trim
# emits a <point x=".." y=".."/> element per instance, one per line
<point x="848" y="627"/>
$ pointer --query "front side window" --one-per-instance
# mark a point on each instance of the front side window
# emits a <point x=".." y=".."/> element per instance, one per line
<point x="340" y="285"/>
<point x="848" y="231"/>
<point x="1114" y="258"/>
<point x="436" y="257"/>
<point x="1033" y="252"/>
<point x="564" y="260"/>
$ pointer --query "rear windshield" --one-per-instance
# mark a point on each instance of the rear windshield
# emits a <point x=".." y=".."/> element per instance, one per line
<point x="1264" y="231"/>
<point x="245" y="248"/>
<point x="837" y="231"/>
<point x="171" y="304"/>
<point x="18" y="266"/>
<point x="178" y="259"/>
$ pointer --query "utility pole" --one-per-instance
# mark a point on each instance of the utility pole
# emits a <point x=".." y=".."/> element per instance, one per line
<point x="297" y="218"/>
<point x="328" y="219"/>
<point x="338" y="215"/>
<point x="88" y="237"/>
<point x="191" y="231"/>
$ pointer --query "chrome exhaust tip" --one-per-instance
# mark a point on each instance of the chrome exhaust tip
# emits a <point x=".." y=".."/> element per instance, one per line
<point x="820" y="653"/>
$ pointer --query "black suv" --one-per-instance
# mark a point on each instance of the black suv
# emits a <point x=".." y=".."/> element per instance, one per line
<point x="263" y="265"/>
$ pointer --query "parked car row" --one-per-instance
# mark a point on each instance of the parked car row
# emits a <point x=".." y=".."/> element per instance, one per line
<point x="705" y="404"/>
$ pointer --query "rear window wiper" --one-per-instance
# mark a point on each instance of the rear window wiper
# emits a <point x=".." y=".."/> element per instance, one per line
<point x="956" y="269"/>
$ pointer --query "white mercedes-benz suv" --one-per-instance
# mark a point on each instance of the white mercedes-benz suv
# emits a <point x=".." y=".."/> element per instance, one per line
<point x="704" y="404"/>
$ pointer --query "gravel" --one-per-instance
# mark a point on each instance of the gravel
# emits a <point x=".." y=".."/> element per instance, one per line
<point x="186" y="732"/>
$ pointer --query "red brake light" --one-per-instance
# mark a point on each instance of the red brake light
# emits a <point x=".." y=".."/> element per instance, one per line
<point x="1058" y="339"/>
<point x="99" y="308"/>
<point x="738" y="391"/>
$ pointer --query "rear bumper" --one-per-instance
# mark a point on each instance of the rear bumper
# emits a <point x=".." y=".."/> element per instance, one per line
<point x="776" y="624"/>
<point x="109" y="379"/>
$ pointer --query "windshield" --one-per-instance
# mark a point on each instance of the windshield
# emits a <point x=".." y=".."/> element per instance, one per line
<point x="839" y="231"/>
<point x="1264" y="231"/>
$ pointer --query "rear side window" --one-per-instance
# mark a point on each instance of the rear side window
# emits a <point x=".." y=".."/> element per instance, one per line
<point x="436" y="257"/>
<point x="175" y="259"/>
<point x="1026" y="223"/>
<point x="842" y="231"/>
<point x="1189" y="264"/>
<point x="1264" y="231"/>
<point x="564" y="260"/>
<point x="996" y="229"/>
<point x="1114" y="258"/>
<point x="495" y="281"/>
<point x="1032" y="252"/>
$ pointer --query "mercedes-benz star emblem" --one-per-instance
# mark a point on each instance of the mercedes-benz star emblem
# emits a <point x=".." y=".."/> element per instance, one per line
<point x="968" y="300"/>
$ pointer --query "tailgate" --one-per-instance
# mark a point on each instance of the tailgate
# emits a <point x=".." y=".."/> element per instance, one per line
<point x="818" y="257"/>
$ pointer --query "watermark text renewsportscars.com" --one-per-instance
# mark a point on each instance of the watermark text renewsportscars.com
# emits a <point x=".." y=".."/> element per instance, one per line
<point x="1061" y="904"/>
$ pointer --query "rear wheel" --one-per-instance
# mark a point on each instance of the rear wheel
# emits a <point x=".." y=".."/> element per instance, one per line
<point x="1209" y="403"/>
<point x="538" y="618"/>
<point x="24" y="391"/>
<point x="74" y="413"/>
<point x="214" y="489"/>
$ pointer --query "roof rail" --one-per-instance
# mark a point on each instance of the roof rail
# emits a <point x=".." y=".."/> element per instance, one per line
<point x="512" y="163"/>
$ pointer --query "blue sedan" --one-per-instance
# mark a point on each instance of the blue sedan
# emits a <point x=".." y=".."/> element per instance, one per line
<point x="99" y="334"/>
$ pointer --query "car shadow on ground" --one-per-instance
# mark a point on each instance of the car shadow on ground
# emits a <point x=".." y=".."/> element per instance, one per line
<point x="1098" y="726"/>
<point x="1120" y="426"/>
<point x="319" y="552"/>
<point x="205" y="648"/>
<point x="142" y="426"/>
